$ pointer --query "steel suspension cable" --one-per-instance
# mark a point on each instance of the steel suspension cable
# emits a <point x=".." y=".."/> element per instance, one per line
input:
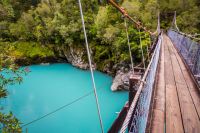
<point x="91" y="69"/>
<point x="143" y="60"/>
<point x="174" y="23"/>
<point x="64" y="106"/>
<point x="58" y="109"/>
<point x="129" y="46"/>
<point x="150" y="45"/>
<point x="147" y="47"/>
<point x="125" y="14"/>
<point x="158" y="26"/>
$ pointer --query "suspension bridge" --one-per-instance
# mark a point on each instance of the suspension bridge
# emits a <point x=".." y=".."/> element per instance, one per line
<point x="166" y="97"/>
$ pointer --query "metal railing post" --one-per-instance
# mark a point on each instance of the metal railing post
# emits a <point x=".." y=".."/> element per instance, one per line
<point x="133" y="84"/>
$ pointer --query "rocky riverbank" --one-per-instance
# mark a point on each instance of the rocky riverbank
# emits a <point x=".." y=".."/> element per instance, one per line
<point x="37" y="60"/>
<point x="77" y="57"/>
<point x="121" y="81"/>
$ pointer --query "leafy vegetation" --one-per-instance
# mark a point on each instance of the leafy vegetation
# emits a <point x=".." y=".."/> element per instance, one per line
<point x="26" y="49"/>
<point x="58" y="22"/>
<point x="8" y="121"/>
<point x="11" y="124"/>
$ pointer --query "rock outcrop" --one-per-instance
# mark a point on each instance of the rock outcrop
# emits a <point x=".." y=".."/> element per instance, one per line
<point x="36" y="60"/>
<point x="75" y="56"/>
<point x="121" y="81"/>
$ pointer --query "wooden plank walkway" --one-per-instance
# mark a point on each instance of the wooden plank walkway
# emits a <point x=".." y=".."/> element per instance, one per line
<point x="176" y="103"/>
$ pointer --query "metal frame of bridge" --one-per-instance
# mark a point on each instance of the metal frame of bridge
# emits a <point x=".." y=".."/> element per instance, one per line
<point x="174" y="103"/>
<point x="167" y="98"/>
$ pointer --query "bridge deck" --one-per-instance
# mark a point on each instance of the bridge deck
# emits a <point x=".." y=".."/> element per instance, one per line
<point x="176" y="103"/>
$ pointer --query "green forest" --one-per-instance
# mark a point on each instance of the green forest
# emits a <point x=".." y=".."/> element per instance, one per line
<point x="36" y="31"/>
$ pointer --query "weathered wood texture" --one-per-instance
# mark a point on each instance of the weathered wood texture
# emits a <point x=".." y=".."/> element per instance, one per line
<point x="176" y="104"/>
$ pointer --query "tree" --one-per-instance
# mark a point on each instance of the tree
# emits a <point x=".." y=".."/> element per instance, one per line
<point x="9" y="122"/>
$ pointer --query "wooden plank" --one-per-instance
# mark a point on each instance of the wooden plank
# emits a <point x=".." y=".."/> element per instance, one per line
<point x="158" y="121"/>
<point x="182" y="96"/>
<point x="189" y="115"/>
<point x="173" y="113"/>
<point x="193" y="89"/>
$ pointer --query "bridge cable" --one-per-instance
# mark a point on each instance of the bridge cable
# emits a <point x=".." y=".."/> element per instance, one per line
<point x="91" y="69"/>
<point x="63" y="107"/>
<point x="58" y="109"/>
<point x="174" y="22"/>
<point x="125" y="14"/>
<point x="158" y="26"/>
<point x="143" y="60"/>
<point x="177" y="29"/>
<point x="147" y="47"/>
<point x="129" y="46"/>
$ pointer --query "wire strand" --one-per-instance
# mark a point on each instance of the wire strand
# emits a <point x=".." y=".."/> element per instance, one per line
<point x="91" y="69"/>
<point x="125" y="14"/>
<point x="174" y="24"/>
<point x="62" y="107"/>
<point x="143" y="60"/>
<point x="147" y="47"/>
<point x="129" y="46"/>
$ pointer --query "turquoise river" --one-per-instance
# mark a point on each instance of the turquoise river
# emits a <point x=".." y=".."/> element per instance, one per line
<point x="67" y="94"/>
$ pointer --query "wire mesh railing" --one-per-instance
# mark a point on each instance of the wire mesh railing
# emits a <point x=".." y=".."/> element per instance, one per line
<point x="137" y="116"/>
<point x="190" y="51"/>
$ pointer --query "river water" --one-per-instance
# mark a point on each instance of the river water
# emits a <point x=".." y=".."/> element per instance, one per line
<point x="46" y="89"/>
